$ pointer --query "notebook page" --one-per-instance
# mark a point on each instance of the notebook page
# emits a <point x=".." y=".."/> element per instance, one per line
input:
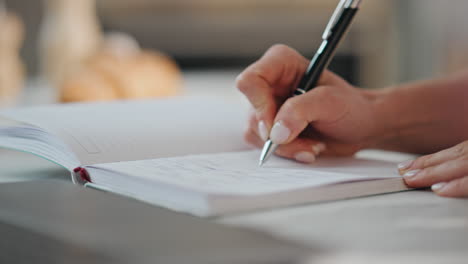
<point x="239" y="174"/>
<point x="39" y="143"/>
<point x="145" y="129"/>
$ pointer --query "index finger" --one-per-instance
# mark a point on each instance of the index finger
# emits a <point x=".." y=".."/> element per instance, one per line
<point x="274" y="76"/>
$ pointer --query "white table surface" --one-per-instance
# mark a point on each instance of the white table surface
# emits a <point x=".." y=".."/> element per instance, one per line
<point x="406" y="227"/>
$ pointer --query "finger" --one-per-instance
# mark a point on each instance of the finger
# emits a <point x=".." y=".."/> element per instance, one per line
<point x="258" y="128"/>
<point x="334" y="147"/>
<point x="341" y="149"/>
<point x="301" y="149"/>
<point x="434" y="159"/>
<point x="253" y="139"/>
<point x="253" y="123"/>
<point x="443" y="172"/>
<point x="454" y="188"/>
<point x="320" y="104"/>
<point x="259" y="94"/>
<point x="275" y="74"/>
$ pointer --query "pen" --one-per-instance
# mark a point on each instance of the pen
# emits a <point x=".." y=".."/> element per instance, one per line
<point x="336" y="28"/>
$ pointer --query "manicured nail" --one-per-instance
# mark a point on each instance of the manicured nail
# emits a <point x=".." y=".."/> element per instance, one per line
<point x="263" y="131"/>
<point x="318" y="148"/>
<point x="438" y="186"/>
<point x="405" y="165"/>
<point x="305" y="157"/>
<point x="279" y="133"/>
<point x="411" y="173"/>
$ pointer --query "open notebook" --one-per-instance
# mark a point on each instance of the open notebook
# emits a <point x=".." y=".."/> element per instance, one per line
<point x="185" y="154"/>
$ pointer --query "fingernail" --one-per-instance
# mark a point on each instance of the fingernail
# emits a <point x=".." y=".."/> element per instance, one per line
<point x="263" y="131"/>
<point x="318" y="148"/>
<point x="438" y="186"/>
<point x="279" y="133"/>
<point x="305" y="157"/>
<point x="405" y="165"/>
<point x="411" y="173"/>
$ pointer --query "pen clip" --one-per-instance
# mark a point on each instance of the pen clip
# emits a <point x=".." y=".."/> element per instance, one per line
<point x="334" y="18"/>
<point x="336" y="15"/>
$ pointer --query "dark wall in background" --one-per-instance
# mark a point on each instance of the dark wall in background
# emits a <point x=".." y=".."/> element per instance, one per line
<point x="347" y="66"/>
<point x="221" y="41"/>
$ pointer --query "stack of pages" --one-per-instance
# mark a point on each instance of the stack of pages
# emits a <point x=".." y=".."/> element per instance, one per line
<point x="185" y="154"/>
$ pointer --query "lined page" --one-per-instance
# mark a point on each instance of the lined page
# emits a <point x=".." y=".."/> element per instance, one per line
<point x="39" y="143"/>
<point x="239" y="173"/>
<point x="145" y="129"/>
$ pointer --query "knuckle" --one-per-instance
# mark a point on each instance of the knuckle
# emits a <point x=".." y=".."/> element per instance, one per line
<point x="423" y="162"/>
<point x="292" y="108"/>
<point x="324" y="92"/>
<point x="325" y="96"/>
<point x="279" y="48"/>
<point x="460" y="149"/>
<point x="242" y="82"/>
<point x="464" y="144"/>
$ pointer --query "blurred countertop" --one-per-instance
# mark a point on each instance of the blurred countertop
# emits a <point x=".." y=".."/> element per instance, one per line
<point x="196" y="83"/>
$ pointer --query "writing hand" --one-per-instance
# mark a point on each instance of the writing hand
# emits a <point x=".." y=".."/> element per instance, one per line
<point x="333" y="118"/>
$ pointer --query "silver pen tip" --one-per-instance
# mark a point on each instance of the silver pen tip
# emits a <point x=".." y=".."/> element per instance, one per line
<point x="268" y="149"/>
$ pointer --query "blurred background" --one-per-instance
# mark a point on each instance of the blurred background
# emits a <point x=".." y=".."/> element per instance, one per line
<point x="67" y="53"/>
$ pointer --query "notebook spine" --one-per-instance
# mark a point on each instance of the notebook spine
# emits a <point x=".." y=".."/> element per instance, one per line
<point x="80" y="176"/>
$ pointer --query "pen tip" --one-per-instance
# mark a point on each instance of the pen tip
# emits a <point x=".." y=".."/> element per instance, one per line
<point x="260" y="163"/>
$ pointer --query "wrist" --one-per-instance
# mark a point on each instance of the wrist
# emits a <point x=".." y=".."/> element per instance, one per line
<point x="417" y="117"/>
<point x="385" y="118"/>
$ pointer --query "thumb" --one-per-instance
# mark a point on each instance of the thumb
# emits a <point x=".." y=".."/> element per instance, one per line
<point x="320" y="104"/>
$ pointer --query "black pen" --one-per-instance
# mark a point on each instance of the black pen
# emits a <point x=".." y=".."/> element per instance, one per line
<point x="337" y="27"/>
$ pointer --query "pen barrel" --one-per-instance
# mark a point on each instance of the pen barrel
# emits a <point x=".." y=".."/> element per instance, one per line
<point x="323" y="57"/>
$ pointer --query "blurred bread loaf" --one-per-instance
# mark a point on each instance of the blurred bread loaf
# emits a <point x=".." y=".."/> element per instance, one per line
<point x="85" y="65"/>
<point x="11" y="67"/>
<point x="121" y="70"/>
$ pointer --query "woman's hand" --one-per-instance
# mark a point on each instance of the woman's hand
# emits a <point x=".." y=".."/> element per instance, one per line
<point x="446" y="171"/>
<point x="333" y="118"/>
